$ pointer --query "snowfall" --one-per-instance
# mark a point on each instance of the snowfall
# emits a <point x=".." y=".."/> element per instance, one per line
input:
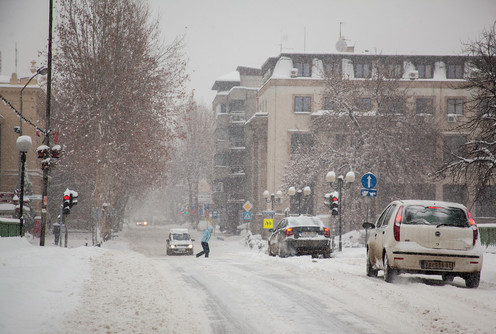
<point x="129" y="285"/>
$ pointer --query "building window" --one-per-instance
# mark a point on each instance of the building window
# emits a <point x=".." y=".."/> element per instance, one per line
<point x="302" y="104"/>
<point x="237" y="105"/>
<point x="424" y="105"/>
<point x="221" y="160"/>
<point x="362" y="70"/>
<point x="328" y="103"/>
<point x="394" y="71"/>
<point x="424" y="71"/>
<point x="219" y="187"/>
<point x="304" y="69"/>
<point x="455" y="72"/>
<point x="485" y="205"/>
<point x="455" y="193"/>
<point x="453" y="146"/>
<point x="333" y="69"/>
<point x="392" y="105"/>
<point x="455" y="106"/>
<point x="363" y="104"/>
<point x="223" y="108"/>
<point x="301" y="141"/>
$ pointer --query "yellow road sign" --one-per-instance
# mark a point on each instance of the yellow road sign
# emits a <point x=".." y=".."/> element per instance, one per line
<point x="268" y="223"/>
<point x="247" y="206"/>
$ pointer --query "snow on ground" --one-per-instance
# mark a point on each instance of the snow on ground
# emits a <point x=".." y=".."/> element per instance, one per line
<point x="114" y="289"/>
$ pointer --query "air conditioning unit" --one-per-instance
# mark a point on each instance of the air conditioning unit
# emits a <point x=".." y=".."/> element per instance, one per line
<point x="413" y="75"/>
<point x="294" y="72"/>
<point x="452" y="118"/>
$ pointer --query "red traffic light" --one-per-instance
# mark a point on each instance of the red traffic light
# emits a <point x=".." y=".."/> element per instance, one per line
<point x="334" y="199"/>
<point x="66" y="197"/>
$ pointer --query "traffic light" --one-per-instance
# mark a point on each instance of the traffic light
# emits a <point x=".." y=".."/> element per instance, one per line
<point x="73" y="198"/>
<point x="67" y="203"/>
<point x="334" y="206"/>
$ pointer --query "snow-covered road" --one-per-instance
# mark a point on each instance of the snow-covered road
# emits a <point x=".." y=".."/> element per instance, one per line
<point x="131" y="286"/>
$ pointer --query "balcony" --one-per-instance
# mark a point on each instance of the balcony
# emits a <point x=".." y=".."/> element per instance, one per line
<point x="222" y="145"/>
<point x="221" y="172"/>
<point x="237" y="171"/>
<point x="238" y="118"/>
<point x="219" y="197"/>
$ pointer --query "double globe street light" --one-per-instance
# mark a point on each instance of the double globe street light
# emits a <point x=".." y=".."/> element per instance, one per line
<point x="272" y="198"/>
<point x="343" y="183"/>
<point x="299" y="194"/>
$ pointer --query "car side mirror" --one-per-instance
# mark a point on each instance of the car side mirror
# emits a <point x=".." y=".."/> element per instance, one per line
<point x="192" y="239"/>
<point x="368" y="225"/>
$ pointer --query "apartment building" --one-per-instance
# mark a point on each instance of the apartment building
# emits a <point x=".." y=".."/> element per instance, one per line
<point x="234" y="104"/>
<point x="292" y="96"/>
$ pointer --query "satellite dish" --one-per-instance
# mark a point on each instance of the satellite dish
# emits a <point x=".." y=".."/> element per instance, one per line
<point x="341" y="45"/>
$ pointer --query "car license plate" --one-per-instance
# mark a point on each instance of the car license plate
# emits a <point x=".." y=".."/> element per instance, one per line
<point x="443" y="265"/>
<point x="308" y="234"/>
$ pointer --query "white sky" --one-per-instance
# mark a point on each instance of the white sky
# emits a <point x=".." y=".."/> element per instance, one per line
<point x="222" y="34"/>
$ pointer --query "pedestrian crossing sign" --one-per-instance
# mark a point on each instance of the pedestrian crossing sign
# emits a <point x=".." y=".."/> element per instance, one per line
<point x="268" y="223"/>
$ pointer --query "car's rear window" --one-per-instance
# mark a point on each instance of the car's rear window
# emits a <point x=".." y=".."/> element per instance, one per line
<point x="435" y="215"/>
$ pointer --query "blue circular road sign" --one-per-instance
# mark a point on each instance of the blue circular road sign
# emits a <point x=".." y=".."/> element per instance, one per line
<point x="369" y="181"/>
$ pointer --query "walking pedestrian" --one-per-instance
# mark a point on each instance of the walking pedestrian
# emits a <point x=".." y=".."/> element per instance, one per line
<point x="204" y="242"/>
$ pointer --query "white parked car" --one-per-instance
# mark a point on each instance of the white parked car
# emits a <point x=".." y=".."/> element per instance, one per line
<point x="179" y="242"/>
<point x="425" y="237"/>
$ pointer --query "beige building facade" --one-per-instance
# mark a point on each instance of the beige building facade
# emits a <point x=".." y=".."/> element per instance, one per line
<point x="292" y="96"/>
<point x="11" y="127"/>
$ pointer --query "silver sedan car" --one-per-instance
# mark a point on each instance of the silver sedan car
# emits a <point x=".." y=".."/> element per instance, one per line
<point x="303" y="235"/>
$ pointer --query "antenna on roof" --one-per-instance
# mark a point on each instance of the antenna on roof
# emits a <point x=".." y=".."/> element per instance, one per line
<point x="15" y="62"/>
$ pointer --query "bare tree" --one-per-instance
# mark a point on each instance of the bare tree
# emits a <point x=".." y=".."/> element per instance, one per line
<point x="366" y="125"/>
<point x="475" y="163"/>
<point x="118" y="87"/>
<point x="193" y="160"/>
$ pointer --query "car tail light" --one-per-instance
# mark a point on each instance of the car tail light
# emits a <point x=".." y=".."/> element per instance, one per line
<point x="327" y="233"/>
<point x="474" y="226"/>
<point x="397" y="223"/>
<point x="289" y="232"/>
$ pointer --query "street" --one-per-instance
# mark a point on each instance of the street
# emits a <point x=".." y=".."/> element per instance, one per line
<point x="239" y="290"/>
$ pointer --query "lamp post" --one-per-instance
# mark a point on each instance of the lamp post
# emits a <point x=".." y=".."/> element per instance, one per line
<point x="349" y="179"/>
<point x="23" y="145"/>
<point x="43" y="71"/>
<point x="272" y="198"/>
<point x="299" y="194"/>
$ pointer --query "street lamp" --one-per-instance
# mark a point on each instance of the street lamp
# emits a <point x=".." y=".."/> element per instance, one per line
<point x="272" y="198"/>
<point x="43" y="71"/>
<point x="349" y="179"/>
<point x="23" y="145"/>
<point x="299" y="194"/>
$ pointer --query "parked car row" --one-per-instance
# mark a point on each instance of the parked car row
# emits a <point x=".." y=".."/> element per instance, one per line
<point x="410" y="236"/>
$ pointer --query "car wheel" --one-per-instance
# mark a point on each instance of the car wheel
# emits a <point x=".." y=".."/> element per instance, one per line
<point x="168" y="252"/>
<point x="371" y="272"/>
<point x="327" y="254"/>
<point x="389" y="273"/>
<point x="448" y="277"/>
<point x="270" y="251"/>
<point x="472" y="280"/>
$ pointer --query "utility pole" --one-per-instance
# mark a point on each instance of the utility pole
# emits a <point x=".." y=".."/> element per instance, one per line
<point x="44" y="204"/>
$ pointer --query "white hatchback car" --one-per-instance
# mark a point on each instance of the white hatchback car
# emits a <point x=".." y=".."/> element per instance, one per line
<point x="179" y="242"/>
<point x="425" y="237"/>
